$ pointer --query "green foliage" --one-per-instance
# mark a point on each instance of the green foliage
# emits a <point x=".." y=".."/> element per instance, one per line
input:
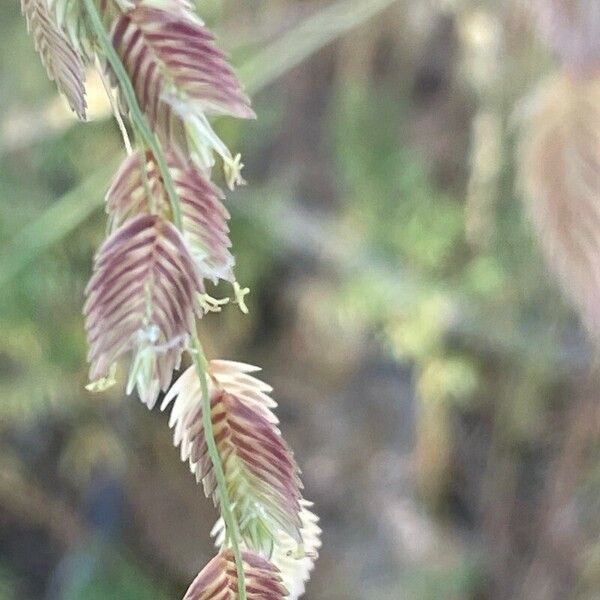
<point x="109" y="574"/>
<point x="8" y="584"/>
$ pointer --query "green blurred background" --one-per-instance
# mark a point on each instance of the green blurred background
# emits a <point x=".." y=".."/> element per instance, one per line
<point x="438" y="393"/>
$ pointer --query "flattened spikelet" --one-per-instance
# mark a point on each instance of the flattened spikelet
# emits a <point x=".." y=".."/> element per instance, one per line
<point x="62" y="61"/>
<point x="142" y="298"/>
<point x="296" y="564"/>
<point x="261" y="473"/>
<point x="205" y="228"/>
<point x="218" y="580"/>
<point x="173" y="63"/>
<point x="294" y="560"/>
<point x="559" y="162"/>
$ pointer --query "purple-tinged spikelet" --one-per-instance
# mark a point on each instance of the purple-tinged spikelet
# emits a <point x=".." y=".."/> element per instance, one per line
<point x="142" y="299"/>
<point x="180" y="78"/>
<point x="164" y="49"/>
<point x="138" y="185"/>
<point x="62" y="61"/>
<point x="294" y="561"/>
<point x="297" y="563"/>
<point x="218" y="580"/>
<point x="261" y="473"/>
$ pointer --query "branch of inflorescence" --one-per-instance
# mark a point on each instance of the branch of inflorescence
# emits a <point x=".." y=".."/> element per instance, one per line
<point x="197" y="353"/>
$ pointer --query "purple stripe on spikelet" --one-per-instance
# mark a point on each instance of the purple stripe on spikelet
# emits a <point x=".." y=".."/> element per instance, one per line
<point x="205" y="219"/>
<point x="143" y="276"/>
<point x="257" y="462"/>
<point x="170" y="52"/>
<point x="62" y="61"/>
<point x="219" y="581"/>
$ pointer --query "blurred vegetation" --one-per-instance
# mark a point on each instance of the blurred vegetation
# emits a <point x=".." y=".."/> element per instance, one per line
<point x="439" y="394"/>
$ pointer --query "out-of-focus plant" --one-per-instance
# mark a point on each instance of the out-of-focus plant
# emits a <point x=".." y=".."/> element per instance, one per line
<point x="559" y="156"/>
<point x="7" y="584"/>
<point x="168" y="233"/>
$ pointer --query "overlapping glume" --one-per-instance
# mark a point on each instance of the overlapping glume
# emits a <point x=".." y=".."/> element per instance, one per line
<point x="219" y="580"/>
<point x="61" y="59"/>
<point x="138" y="185"/>
<point x="179" y="77"/>
<point x="295" y="562"/>
<point x="142" y="300"/>
<point x="262" y="475"/>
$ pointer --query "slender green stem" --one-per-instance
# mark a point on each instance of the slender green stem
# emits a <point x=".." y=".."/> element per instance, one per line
<point x="201" y="365"/>
<point x="137" y="116"/>
<point x="199" y="358"/>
